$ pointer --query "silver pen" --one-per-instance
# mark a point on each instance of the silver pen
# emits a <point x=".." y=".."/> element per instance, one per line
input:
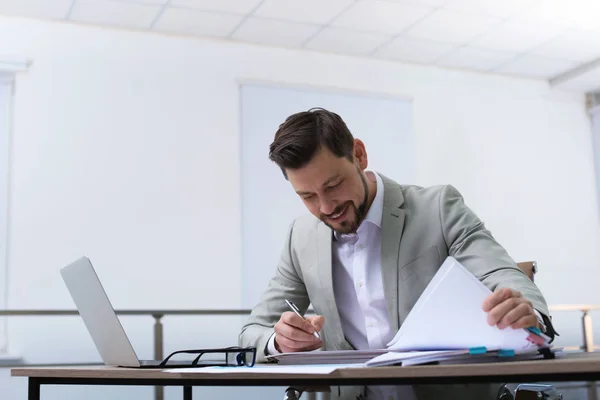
<point x="297" y="311"/>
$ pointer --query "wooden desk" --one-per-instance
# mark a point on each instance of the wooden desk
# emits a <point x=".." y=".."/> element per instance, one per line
<point x="573" y="367"/>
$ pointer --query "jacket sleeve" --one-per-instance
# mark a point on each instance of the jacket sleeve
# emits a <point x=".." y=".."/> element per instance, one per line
<point x="471" y="244"/>
<point x="286" y="284"/>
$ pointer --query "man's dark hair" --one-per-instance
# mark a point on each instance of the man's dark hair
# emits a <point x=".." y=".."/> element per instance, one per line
<point x="302" y="134"/>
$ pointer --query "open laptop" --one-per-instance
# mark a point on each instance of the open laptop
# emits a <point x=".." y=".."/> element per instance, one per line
<point x="101" y="320"/>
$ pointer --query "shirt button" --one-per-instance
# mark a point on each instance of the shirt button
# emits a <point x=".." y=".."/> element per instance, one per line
<point x="360" y="247"/>
<point x="359" y="284"/>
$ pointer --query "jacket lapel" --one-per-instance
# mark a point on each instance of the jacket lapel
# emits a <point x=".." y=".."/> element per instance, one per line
<point x="333" y="324"/>
<point x="392" y="226"/>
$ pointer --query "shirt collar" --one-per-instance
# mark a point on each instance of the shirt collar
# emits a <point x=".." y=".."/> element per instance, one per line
<point x="375" y="214"/>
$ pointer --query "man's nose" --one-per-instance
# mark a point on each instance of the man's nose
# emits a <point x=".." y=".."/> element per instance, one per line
<point x="327" y="206"/>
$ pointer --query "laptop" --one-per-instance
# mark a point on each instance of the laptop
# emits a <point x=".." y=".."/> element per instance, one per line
<point x="101" y="320"/>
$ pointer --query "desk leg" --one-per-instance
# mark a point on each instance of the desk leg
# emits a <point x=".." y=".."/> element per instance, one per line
<point x="34" y="389"/>
<point x="187" y="393"/>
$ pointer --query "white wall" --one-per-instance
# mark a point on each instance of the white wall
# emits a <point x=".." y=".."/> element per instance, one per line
<point x="595" y="119"/>
<point x="126" y="149"/>
<point x="6" y="82"/>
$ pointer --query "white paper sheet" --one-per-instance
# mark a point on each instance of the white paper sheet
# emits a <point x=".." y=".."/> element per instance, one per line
<point x="266" y="369"/>
<point x="448" y="315"/>
<point x="396" y="357"/>
<point x="326" y="357"/>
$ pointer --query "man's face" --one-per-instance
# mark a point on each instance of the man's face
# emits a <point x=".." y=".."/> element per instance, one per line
<point x="333" y="189"/>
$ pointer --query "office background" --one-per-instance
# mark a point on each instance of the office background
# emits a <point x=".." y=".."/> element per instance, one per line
<point x="126" y="146"/>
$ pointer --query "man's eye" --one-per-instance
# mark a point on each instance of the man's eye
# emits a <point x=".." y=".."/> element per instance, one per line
<point x="307" y="197"/>
<point x="334" y="186"/>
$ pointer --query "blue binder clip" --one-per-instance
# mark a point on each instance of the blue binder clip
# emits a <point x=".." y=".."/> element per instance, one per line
<point x="477" y="350"/>
<point x="535" y="330"/>
<point x="506" y="353"/>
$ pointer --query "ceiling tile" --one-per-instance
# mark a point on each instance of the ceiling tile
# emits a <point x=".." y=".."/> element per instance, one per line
<point x="160" y="2"/>
<point x="236" y="6"/>
<point x="381" y="16"/>
<point x="415" y="50"/>
<point x="581" y="14"/>
<point x="493" y="8"/>
<point x="452" y="26"/>
<point x="115" y="13"/>
<point x="574" y="45"/>
<point x="303" y="10"/>
<point x="273" y="32"/>
<point x="434" y="3"/>
<point x="517" y="36"/>
<point x="340" y="40"/>
<point x="535" y="66"/>
<point x="196" y="22"/>
<point x="55" y="9"/>
<point x="474" y="58"/>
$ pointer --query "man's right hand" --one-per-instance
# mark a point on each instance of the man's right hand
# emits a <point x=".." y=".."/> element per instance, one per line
<point x="293" y="333"/>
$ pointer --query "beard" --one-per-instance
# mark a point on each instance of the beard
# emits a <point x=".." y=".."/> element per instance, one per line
<point x="360" y="211"/>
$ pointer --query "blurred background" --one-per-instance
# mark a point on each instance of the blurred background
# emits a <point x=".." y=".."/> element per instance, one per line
<point x="136" y="132"/>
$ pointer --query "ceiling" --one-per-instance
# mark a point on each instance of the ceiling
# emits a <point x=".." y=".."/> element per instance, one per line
<point x="557" y="40"/>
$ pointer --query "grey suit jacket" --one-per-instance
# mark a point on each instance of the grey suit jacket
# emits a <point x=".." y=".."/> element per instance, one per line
<point x="420" y="228"/>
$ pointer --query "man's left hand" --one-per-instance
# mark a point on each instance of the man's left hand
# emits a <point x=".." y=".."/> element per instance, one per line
<point x="507" y="307"/>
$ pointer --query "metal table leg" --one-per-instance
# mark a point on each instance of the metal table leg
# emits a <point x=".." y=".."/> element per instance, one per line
<point x="158" y="351"/>
<point x="34" y="389"/>
<point x="187" y="393"/>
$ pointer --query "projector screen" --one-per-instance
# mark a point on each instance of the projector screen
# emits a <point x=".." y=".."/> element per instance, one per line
<point x="269" y="203"/>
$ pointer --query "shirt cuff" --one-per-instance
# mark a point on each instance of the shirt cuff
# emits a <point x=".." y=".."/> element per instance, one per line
<point x="271" y="346"/>
<point x="540" y="320"/>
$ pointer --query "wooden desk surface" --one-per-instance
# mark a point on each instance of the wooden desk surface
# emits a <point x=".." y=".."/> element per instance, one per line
<point x="579" y="366"/>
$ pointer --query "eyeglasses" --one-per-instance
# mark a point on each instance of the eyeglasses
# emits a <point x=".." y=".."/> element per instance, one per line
<point x="232" y="356"/>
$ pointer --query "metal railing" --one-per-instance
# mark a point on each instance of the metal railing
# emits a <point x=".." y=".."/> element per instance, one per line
<point x="586" y="324"/>
<point x="158" y="339"/>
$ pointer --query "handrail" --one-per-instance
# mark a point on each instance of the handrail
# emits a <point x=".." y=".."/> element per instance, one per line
<point x="575" y="307"/>
<point x="24" y="312"/>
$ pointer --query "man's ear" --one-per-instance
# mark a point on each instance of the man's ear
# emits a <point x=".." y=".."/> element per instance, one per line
<point x="360" y="154"/>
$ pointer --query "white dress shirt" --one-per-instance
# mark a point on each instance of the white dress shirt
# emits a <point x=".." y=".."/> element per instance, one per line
<point x="357" y="281"/>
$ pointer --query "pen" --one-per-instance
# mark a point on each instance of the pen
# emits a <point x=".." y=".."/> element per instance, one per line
<point x="297" y="311"/>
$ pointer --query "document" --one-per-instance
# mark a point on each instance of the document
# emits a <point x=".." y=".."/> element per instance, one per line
<point x="397" y="357"/>
<point x="326" y="357"/>
<point x="448" y="316"/>
<point x="265" y="369"/>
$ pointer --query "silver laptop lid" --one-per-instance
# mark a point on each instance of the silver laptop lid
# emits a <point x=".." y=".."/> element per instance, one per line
<point x="98" y="314"/>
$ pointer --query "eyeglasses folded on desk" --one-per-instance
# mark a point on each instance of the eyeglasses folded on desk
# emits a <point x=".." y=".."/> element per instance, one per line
<point x="217" y="357"/>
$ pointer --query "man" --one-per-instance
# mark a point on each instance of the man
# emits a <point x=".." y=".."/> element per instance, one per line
<point x="370" y="248"/>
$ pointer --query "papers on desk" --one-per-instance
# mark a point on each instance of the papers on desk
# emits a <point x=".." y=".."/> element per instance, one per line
<point x="448" y="315"/>
<point x="446" y="324"/>
<point x="326" y="357"/>
<point x="458" y="357"/>
<point x="266" y="369"/>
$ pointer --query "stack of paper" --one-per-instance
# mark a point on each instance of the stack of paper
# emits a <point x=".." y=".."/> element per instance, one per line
<point x="446" y="324"/>
<point x="449" y="315"/>
<point x="459" y="356"/>
<point x="326" y="357"/>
